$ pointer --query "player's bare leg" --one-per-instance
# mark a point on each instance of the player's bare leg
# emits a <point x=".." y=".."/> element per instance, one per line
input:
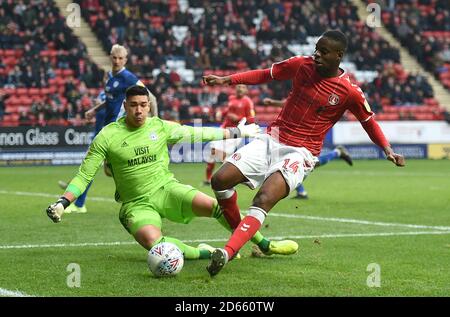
<point x="147" y="235"/>
<point x="227" y="177"/>
<point x="205" y="206"/>
<point x="223" y="182"/>
<point x="273" y="190"/>
<point x="216" y="156"/>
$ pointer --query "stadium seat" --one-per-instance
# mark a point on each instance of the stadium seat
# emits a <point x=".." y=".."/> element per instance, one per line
<point x="260" y="109"/>
<point x="68" y="72"/>
<point x="424" y="116"/>
<point x="387" y="116"/>
<point x="9" y="53"/>
<point x="21" y="91"/>
<point x="25" y="100"/>
<point x="33" y="92"/>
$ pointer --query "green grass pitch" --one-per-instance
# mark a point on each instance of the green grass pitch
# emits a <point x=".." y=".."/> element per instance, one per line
<point x="373" y="212"/>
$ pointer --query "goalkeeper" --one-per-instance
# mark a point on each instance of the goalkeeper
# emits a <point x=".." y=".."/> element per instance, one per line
<point x="136" y="148"/>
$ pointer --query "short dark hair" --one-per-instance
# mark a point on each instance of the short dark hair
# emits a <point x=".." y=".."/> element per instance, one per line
<point x="136" y="90"/>
<point x="337" y="36"/>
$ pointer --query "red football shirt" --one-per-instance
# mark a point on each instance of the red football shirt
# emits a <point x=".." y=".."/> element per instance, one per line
<point x="242" y="108"/>
<point x="314" y="103"/>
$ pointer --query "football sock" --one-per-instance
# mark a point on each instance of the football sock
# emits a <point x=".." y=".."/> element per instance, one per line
<point x="227" y="200"/>
<point x="324" y="159"/>
<point x="209" y="170"/>
<point x="82" y="198"/>
<point x="258" y="238"/>
<point x="300" y="189"/>
<point x="246" y="229"/>
<point x="190" y="253"/>
<point x="264" y="244"/>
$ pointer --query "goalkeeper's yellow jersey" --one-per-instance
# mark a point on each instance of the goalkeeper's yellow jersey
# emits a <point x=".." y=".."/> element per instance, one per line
<point x="139" y="157"/>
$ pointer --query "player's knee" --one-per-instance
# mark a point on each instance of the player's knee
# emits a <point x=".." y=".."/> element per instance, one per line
<point x="151" y="240"/>
<point x="262" y="200"/>
<point x="218" y="181"/>
<point x="147" y="237"/>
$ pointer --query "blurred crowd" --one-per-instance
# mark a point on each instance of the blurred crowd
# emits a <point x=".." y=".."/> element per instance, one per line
<point x="208" y="36"/>
<point x="34" y="28"/>
<point x="422" y="26"/>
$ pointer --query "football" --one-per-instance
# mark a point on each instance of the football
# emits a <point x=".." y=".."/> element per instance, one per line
<point x="165" y="259"/>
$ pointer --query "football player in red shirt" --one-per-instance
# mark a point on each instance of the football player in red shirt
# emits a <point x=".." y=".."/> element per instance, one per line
<point x="338" y="152"/>
<point x="239" y="106"/>
<point x="280" y="160"/>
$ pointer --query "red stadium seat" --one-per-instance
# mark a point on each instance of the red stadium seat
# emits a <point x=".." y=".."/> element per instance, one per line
<point x="9" y="91"/>
<point x="387" y="116"/>
<point x="25" y="100"/>
<point x="260" y="109"/>
<point x="33" y="92"/>
<point x="424" y="116"/>
<point x="431" y="102"/>
<point x="195" y="110"/>
<point x="390" y="109"/>
<point x="68" y="72"/>
<point x="11" y="117"/>
<point x="9" y="53"/>
<point x="60" y="81"/>
<point x="93" y="20"/>
<point x="45" y="91"/>
<point x="13" y="101"/>
<point x="18" y="53"/>
<point x="22" y="91"/>
<point x="45" y="53"/>
<point x="10" y="61"/>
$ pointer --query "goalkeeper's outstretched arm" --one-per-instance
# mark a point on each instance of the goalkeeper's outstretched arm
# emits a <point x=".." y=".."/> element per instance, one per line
<point x="88" y="168"/>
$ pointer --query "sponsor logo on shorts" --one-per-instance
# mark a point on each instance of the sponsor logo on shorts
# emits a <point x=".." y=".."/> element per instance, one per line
<point x="236" y="156"/>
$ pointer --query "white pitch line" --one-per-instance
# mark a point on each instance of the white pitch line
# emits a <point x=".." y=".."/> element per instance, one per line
<point x="378" y="173"/>
<point x="19" y="193"/>
<point x="274" y="214"/>
<point x="8" y="293"/>
<point x="363" y="222"/>
<point x="331" y="235"/>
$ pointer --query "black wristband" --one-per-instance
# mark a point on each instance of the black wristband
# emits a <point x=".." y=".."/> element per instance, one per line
<point x="64" y="201"/>
<point x="235" y="133"/>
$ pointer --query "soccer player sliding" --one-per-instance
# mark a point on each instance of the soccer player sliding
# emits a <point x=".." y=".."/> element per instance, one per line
<point x="136" y="148"/>
<point x="279" y="160"/>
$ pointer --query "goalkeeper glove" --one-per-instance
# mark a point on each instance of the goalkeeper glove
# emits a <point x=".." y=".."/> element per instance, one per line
<point x="55" y="210"/>
<point x="243" y="130"/>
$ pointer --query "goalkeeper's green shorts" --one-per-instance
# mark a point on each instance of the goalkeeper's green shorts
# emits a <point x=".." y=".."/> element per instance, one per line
<point x="173" y="201"/>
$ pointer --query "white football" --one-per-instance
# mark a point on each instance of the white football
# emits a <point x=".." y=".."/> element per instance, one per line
<point x="165" y="259"/>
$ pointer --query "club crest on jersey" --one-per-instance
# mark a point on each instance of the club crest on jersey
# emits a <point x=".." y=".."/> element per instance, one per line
<point x="236" y="156"/>
<point x="115" y="84"/>
<point x="153" y="136"/>
<point x="333" y="99"/>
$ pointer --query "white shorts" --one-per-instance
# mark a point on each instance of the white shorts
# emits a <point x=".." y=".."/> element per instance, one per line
<point x="228" y="147"/>
<point x="264" y="156"/>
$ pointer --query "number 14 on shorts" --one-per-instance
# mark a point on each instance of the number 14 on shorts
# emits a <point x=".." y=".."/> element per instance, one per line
<point x="292" y="166"/>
